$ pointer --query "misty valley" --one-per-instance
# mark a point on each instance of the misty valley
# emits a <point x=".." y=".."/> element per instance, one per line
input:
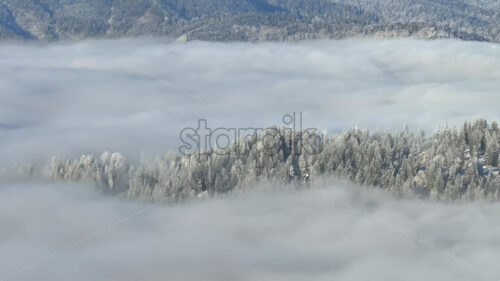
<point x="377" y="159"/>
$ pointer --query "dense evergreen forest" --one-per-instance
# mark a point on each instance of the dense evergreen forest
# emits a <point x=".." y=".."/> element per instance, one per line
<point x="250" y="20"/>
<point x="453" y="163"/>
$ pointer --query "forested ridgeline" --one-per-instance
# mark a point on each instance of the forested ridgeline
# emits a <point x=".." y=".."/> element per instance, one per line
<point x="250" y="20"/>
<point x="453" y="163"/>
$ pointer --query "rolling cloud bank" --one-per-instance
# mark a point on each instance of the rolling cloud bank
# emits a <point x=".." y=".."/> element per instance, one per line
<point x="272" y="215"/>
<point x="335" y="233"/>
<point x="135" y="96"/>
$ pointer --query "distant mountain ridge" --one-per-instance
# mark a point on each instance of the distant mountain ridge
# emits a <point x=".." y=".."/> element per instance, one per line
<point x="250" y="20"/>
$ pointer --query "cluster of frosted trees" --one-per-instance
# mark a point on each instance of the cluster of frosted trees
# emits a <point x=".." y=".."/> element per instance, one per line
<point x="110" y="173"/>
<point x="451" y="164"/>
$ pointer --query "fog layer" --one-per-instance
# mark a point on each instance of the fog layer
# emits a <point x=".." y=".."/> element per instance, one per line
<point x="134" y="96"/>
<point x="335" y="233"/>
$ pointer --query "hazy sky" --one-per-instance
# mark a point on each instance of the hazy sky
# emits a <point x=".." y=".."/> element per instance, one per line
<point x="336" y="233"/>
<point x="135" y="96"/>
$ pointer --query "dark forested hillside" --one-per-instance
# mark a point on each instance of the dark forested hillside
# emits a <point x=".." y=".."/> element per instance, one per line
<point x="225" y="20"/>
<point x="451" y="164"/>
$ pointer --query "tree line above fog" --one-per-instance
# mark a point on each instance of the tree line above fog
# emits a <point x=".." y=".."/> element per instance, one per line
<point x="250" y="20"/>
<point x="452" y="164"/>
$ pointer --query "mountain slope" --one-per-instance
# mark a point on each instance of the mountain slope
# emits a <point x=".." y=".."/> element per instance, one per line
<point x="225" y="20"/>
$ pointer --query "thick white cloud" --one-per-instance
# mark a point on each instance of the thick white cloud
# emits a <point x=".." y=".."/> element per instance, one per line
<point x="68" y="99"/>
<point x="335" y="233"/>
